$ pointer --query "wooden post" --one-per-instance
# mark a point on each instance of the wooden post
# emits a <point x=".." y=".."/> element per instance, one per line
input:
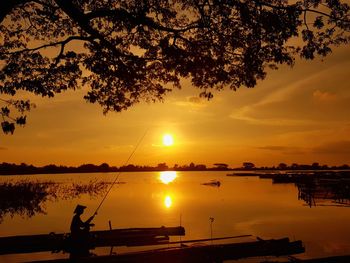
<point x="110" y="228"/>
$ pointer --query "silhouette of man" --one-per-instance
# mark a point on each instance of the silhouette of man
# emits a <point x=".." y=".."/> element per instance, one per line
<point x="78" y="228"/>
<point x="80" y="234"/>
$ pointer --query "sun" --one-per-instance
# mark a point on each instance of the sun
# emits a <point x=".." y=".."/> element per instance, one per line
<point x="168" y="140"/>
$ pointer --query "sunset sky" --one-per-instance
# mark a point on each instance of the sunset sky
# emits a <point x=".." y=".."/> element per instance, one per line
<point x="298" y="114"/>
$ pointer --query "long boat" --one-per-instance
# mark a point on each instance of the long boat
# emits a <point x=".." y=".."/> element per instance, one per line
<point x="202" y="253"/>
<point x="333" y="259"/>
<point x="113" y="237"/>
<point x="243" y="174"/>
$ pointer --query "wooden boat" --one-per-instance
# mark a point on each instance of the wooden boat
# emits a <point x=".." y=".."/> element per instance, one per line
<point x="334" y="259"/>
<point x="270" y="175"/>
<point x="243" y="174"/>
<point x="203" y="253"/>
<point x="114" y="237"/>
<point x="213" y="183"/>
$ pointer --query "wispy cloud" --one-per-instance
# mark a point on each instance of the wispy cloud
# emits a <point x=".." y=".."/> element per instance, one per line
<point x="283" y="149"/>
<point x="3" y="148"/>
<point x="192" y="102"/>
<point x="273" y="148"/>
<point x="293" y="104"/>
<point x="324" y="96"/>
<point x="247" y="114"/>
<point x="335" y="147"/>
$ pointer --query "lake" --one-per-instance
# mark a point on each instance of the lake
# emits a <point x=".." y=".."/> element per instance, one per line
<point x="239" y="206"/>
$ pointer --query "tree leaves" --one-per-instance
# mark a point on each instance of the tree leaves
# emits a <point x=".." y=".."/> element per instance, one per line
<point x="7" y="127"/>
<point x="129" y="51"/>
<point x="9" y="122"/>
<point x="318" y="23"/>
<point x="21" y="120"/>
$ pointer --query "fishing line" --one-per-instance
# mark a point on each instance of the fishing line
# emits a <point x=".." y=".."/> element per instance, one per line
<point x="116" y="178"/>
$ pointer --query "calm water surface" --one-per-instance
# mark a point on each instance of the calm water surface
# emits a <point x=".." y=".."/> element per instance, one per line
<point x="241" y="205"/>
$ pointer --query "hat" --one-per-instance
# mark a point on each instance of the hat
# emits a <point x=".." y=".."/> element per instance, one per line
<point x="79" y="208"/>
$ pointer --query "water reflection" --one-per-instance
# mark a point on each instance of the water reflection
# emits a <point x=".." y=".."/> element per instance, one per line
<point x="27" y="198"/>
<point x="326" y="188"/>
<point x="168" y="201"/>
<point x="327" y="192"/>
<point x="241" y="206"/>
<point x="167" y="176"/>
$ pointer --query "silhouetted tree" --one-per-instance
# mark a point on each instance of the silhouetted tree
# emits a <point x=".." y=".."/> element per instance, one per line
<point x="315" y="166"/>
<point x="104" y="167"/>
<point x="248" y="165"/>
<point x="201" y="167"/>
<point x="221" y="166"/>
<point x="162" y="166"/>
<point x="294" y="166"/>
<point x="282" y="166"/>
<point x="344" y="166"/>
<point x="126" y="51"/>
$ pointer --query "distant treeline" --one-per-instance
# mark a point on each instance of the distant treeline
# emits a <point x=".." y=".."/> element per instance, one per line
<point x="293" y="166"/>
<point x="15" y="169"/>
<point x="18" y="169"/>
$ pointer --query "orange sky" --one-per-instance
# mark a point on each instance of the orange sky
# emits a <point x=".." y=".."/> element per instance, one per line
<point x="298" y="114"/>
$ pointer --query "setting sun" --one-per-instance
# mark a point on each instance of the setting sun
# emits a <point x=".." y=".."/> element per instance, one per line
<point x="168" y="140"/>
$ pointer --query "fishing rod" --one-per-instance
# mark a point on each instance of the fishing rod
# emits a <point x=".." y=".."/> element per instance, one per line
<point x="118" y="174"/>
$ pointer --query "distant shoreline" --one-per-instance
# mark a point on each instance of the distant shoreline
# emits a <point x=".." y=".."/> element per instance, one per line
<point x="24" y="169"/>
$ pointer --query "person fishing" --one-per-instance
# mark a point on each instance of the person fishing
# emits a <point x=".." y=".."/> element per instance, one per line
<point x="80" y="234"/>
<point x="78" y="228"/>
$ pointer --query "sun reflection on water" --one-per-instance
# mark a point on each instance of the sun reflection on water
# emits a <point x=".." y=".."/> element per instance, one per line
<point x="167" y="177"/>
<point x="168" y="201"/>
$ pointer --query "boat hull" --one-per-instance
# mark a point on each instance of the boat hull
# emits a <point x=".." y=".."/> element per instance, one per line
<point x="62" y="242"/>
<point x="204" y="253"/>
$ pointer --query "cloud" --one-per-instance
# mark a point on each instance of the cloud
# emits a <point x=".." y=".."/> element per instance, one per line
<point x="3" y="148"/>
<point x="324" y="96"/>
<point x="195" y="100"/>
<point x="192" y="102"/>
<point x="302" y="102"/>
<point x="335" y="147"/>
<point x="272" y="148"/>
<point x="271" y="115"/>
<point x="283" y="149"/>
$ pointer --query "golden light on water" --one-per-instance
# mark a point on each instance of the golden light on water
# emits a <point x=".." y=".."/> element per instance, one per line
<point x="168" y="201"/>
<point x="168" y="140"/>
<point x="167" y="176"/>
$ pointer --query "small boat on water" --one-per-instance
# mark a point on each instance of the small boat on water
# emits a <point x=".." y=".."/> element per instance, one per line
<point x="213" y="183"/>
<point x="202" y="253"/>
<point x="243" y="174"/>
<point x="114" y="237"/>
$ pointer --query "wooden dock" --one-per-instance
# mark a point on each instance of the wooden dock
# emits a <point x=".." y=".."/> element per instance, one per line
<point x="114" y="237"/>
<point x="203" y="253"/>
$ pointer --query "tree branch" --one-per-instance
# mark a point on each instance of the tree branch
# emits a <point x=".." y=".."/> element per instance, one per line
<point x="305" y="19"/>
<point x="282" y="7"/>
<point x="325" y="14"/>
<point x="62" y="43"/>
<point x="137" y="20"/>
<point x="77" y="16"/>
